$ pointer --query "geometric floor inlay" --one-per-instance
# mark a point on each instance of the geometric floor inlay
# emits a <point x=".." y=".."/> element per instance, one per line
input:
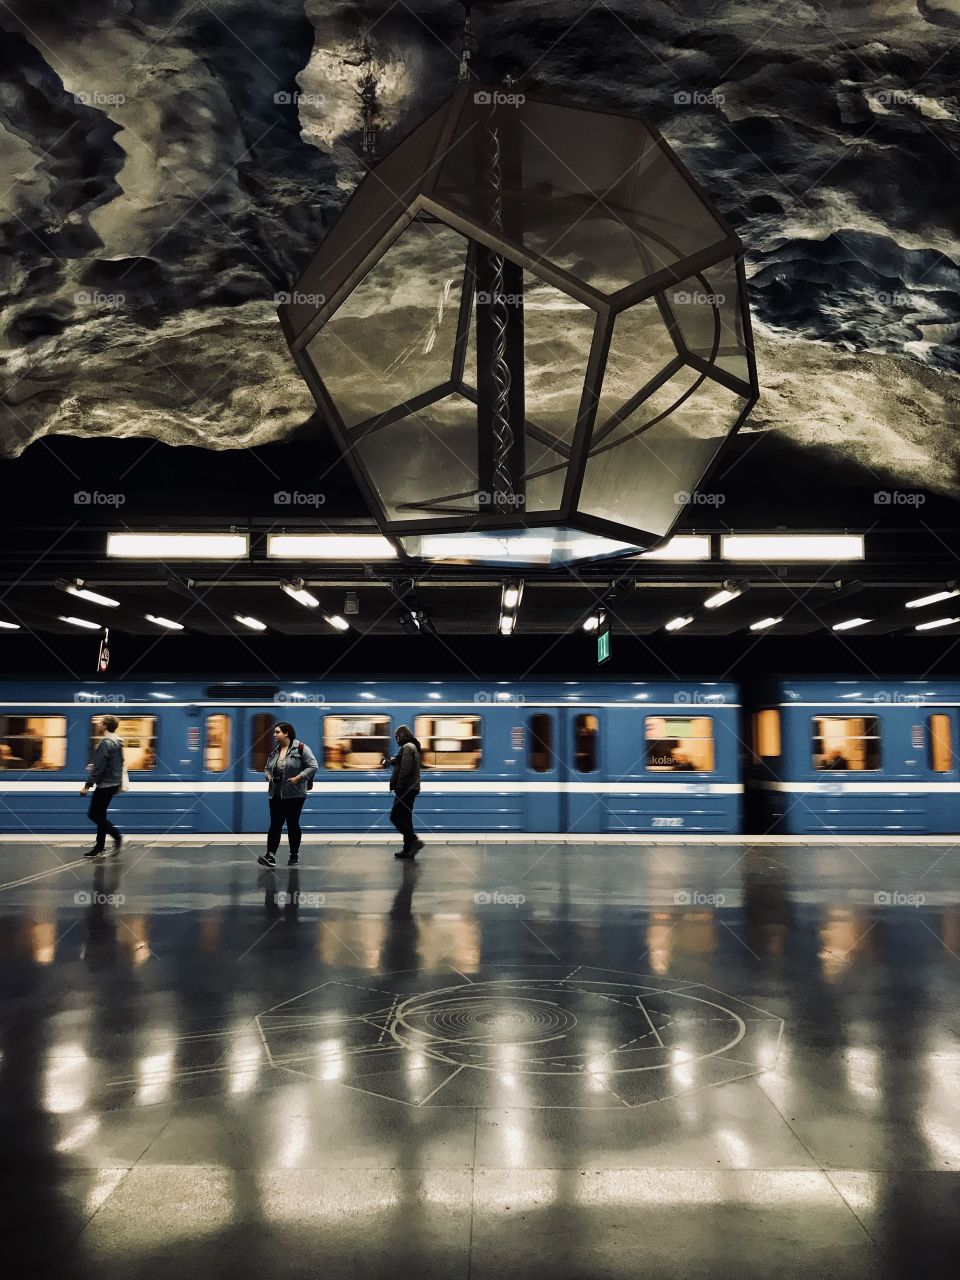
<point x="537" y="1036"/>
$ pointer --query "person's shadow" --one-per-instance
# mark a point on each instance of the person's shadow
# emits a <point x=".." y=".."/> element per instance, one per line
<point x="100" y="950"/>
<point x="402" y="937"/>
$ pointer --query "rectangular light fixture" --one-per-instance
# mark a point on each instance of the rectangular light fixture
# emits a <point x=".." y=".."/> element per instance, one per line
<point x="511" y="597"/>
<point x="253" y="623"/>
<point x="676" y="623"/>
<point x="850" y="623"/>
<point x="178" y="546"/>
<point x="341" y="624"/>
<point x="937" y="622"/>
<point x="506" y="624"/>
<point x="81" y="622"/>
<point x="592" y="622"/>
<point x="778" y="547"/>
<point x="764" y="623"/>
<point x="471" y="546"/>
<point x="301" y="595"/>
<point x="93" y="596"/>
<point x="10" y="626"/>
<point x="329" y="546"/>
<point x="158" y="621"/>
<point x="723" y="596"/>
<point x="685" y="546"/>
<point x="934" y="599"/>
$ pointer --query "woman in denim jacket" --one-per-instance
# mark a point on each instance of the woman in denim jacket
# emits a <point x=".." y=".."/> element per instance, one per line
<point x="289" y="771"/>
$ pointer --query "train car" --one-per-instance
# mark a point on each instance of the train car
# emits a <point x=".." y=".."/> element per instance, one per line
<point x="576" y="756"/>
<point x="845" y="757"/>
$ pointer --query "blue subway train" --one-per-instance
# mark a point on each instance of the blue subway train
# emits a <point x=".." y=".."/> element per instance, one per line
<point x="812" y="757"/>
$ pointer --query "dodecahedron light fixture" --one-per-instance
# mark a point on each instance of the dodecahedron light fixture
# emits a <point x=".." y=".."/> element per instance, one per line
<point x="529" y="332"/>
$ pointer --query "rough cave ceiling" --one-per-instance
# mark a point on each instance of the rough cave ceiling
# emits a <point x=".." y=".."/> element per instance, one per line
<point x="169" y="167"/>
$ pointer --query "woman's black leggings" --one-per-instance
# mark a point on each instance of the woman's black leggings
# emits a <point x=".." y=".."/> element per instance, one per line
<point x="285" y="811"/>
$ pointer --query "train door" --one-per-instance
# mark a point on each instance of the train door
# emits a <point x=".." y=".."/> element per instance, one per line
<point x="943" y="763"/>
<point x="254" y="744"/>
<point x="220" y="748"/>
<point x="544" y="772"/>
<point x="582" y="770"/>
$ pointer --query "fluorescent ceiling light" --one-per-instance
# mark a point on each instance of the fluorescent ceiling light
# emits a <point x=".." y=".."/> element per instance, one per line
<point x="92" y="596"/>
<point x="471" y="546"/>
<point x="764" y="623"/>
<point x="82" y="622"/>
<point x="777" y="547"/>
<point x="506" y="624"/>
<point x="253" y="623"/>
<point x="159" y="621"/>
<point x="301" y="595"/>
<point x="511" y="597"/>
<point x="329" y="546"/>
<point x="592" y="623"/>
<point x="937" y="622"/>
<point x="676" y="623"/>
<point x="850" y="622"/>
<point x="335" y="620"/>
<point x="10" y="626"/>
<point x="178" y="546"/>
<point x="685" y="546"/>
<point x="934" y="599"/>
<point x="722" y="597"/>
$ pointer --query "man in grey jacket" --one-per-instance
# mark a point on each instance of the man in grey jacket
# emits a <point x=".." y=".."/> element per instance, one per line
<point x="106" y="775"/>
<point x="405" y="785"/>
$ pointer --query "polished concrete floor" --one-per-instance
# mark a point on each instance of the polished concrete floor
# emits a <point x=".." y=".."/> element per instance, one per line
<point x="503" y="1060"/>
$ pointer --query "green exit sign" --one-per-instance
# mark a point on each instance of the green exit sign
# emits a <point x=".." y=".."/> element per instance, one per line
<point x="603" y="645"/>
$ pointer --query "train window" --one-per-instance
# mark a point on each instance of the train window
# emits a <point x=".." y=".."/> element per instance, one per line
<point x="449" y="742"/>
<point x="766" y="733"/>
<point x="680" y="744"/>
<point x="941" y="748"/>
<point x="586" y="732"/>
<point x="355" y="742"/>
<point x="216" y="747"/>
<point x="540" y="753"/>
<point x="846" y="742"/>
<point x="33" y="742"/>
<point x="139" y="737"/>
<point x="261" y="739"/>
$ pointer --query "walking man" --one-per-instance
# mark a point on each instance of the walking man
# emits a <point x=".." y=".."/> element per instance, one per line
<point x="405" y="785"/>
<point x="106" y="776"/>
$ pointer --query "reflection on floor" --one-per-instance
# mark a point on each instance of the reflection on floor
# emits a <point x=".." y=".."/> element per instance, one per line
<point x="626" y="1060"/>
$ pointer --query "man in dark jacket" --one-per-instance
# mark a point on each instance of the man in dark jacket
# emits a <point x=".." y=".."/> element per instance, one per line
<point x="106" y="775"/>
<point x="405" y="785"/>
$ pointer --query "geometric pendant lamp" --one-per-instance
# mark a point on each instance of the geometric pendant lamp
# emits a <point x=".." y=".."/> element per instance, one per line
<point x="529" y="333"/>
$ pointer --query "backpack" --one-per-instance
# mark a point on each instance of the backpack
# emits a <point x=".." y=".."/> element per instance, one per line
<point x="299" y="746"/>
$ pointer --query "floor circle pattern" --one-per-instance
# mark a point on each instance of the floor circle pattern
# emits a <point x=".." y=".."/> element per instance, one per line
<point x="537" y="1036"/>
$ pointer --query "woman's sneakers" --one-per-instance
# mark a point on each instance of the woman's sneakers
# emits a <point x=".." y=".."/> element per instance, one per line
<point x="267" y="860"/>
<point x="293" y="860"/>
<point x="411" y="852"/>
